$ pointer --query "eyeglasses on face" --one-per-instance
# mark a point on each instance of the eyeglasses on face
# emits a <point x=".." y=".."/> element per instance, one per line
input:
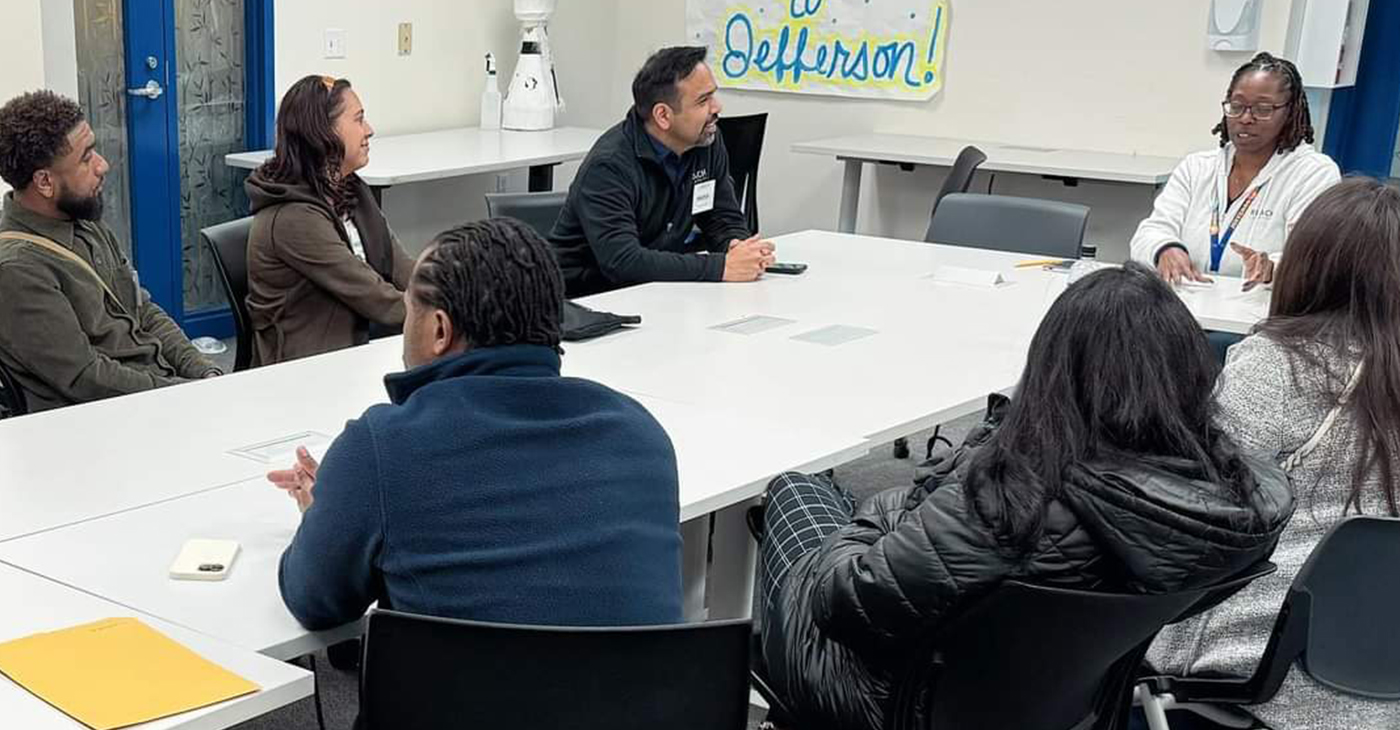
<point x="1262" y="111"/>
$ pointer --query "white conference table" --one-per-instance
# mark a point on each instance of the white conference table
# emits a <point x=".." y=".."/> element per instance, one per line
<point x="33" y="604"/>
<point x="409" y="158"/>
<point x="131" y="478"/>
<point x="913" y="150"/>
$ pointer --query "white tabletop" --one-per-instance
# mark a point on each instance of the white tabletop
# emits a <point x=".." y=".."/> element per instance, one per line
<point x="720" y="461"/>
<point x="32" y="604"/>
<point x="1001" y="157"/>
<point x="937" y="349"/>
<point x="75" y="463"/>
<point x="1221" y="305"/>
<point x="456" y="152"/>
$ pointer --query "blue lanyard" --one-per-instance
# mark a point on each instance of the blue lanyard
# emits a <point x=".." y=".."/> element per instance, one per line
<point x="1219" y="242"/>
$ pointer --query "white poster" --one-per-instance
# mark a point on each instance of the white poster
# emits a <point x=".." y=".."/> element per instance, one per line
<point x="881" y="49"/>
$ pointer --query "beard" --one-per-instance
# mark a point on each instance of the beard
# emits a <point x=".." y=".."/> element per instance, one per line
<point x="81" y="209"/>
<point x="708" y="138"/>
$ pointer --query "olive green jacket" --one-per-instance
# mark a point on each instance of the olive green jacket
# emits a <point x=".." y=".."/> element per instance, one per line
<point x="61" y="338"/>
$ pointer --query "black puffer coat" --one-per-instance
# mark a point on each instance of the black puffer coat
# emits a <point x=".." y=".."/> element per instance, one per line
<point x="913" y="558"/>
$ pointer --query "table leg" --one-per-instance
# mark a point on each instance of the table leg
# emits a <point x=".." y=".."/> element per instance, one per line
<point x="541" y="178"/>
<point x="733" y="568"/>
<point x="695" y="553"/>
<point x="850" y="196"/>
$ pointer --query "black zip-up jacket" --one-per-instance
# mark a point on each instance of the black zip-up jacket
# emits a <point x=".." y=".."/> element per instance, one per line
<point x="625" y="222"/>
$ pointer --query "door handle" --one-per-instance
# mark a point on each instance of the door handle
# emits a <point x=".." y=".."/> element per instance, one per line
<point x="152" y="90"/>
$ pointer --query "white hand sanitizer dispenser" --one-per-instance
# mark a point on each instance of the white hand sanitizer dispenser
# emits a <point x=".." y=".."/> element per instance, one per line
<point x="491" y="97"/>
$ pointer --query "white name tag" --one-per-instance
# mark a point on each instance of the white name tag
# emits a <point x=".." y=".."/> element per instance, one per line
<point x="704" y="200"/>
<point x="970" y="277"/>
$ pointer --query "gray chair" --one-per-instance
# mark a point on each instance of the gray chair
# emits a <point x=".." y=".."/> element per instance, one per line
<point x="958" y="181"/>
<point x="1006" y="223"/>
<point x="423" y="672"/>
<point x="1337" y="625"/>
<point x="12" y="401"/>
<point x="229" y="244"/>
<point x="1002" y="223"/>
<point x="537" y="210"/>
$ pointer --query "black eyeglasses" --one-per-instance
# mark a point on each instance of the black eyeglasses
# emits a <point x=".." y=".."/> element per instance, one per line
<point x="1262" y="111"/>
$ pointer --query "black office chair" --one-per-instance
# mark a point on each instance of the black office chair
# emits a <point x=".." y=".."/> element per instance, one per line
<point x="743" y="140"/>
<point x="537" y="210"/>
<point x="1337" y="625"/>
<point x="1038" y="658"/>
<point x="229" y="244"/>
<point x="1006" y="223"/>
<point x="12" y="400"/>
<point x="958" y="181"/>
<point x="422" y="672"/>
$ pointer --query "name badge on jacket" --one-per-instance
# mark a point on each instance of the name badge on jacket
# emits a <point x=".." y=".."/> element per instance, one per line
<point x="704" y="199"/>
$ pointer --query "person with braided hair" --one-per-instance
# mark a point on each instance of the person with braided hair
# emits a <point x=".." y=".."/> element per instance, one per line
<point x="489" y="488"/>
<point x="1229" y="211"/>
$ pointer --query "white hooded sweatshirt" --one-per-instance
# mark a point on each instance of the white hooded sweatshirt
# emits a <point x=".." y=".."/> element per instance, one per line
<point x="1182" y="212"/>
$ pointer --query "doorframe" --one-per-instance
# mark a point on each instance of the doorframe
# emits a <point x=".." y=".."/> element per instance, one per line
<point x="155" y="195"/>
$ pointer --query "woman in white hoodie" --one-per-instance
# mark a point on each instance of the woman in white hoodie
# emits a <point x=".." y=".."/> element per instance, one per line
<point x="1229" y="211"/>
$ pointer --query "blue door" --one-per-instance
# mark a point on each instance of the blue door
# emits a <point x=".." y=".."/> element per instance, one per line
<point x="171" y="86"/>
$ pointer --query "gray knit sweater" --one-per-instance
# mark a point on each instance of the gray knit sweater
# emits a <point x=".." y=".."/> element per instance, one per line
<point x="1274" y="402"/>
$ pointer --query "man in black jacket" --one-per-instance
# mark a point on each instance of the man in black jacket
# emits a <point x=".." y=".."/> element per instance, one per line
<point x="633" y="208"/>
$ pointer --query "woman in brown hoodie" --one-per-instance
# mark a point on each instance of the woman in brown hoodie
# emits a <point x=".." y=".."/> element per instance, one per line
<point x="322" y="263"/>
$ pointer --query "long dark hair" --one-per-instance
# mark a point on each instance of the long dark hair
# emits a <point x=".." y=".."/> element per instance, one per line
<point x="1297" y="128"/>
<point x="498" y="282"/>
<point x="1118" y="369"/>
<point x="1338" y="286"/>
<point x="308" y="149"/>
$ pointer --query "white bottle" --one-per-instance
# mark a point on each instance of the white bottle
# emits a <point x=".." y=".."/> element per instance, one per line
<point x="1087" y="264"/>
<point x="491" y="97"/>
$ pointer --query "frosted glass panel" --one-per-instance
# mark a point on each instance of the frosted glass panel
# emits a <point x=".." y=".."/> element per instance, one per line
<point x="102" y="94"/>
<point x="209" y="62"/>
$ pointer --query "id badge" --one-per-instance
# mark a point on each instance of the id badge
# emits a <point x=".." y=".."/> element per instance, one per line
<point x="704" y="199"/>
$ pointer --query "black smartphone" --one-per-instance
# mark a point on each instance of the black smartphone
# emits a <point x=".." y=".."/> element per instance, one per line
<point x="786" y="268"/>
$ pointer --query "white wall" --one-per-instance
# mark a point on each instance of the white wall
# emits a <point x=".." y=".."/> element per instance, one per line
<point x="439" y="85"/>
<point x="21" y="52"/>
<point x="1019" y="72"/>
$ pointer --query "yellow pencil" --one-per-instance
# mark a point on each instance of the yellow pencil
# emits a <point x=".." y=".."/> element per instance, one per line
<point x="1039" y="262"/>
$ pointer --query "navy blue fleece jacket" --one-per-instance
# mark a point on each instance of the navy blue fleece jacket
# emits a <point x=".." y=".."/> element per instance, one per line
<point x="493" y="489"/>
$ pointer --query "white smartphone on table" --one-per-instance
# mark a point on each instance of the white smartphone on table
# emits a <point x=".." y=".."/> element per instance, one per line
<point x="204" y="560"/>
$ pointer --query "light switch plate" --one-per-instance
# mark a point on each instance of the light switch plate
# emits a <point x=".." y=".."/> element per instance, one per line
<point x="405" y="39"/>
<point x="335" y="43"/>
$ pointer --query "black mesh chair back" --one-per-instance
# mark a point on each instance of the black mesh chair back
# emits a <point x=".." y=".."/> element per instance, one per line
<point x="537" y="210"/>
<point x="958" y="181"/>
<point x="229" y="244"/>
<point x="743" y="140"/>
<point x="1041" y="658"/>
<point x="12" y="400"/>
<point x="421" y="672"/>
<point x="1007" y="223"/>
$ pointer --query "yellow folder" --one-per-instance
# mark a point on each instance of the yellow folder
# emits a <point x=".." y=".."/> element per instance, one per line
<point x="117" y="672"/>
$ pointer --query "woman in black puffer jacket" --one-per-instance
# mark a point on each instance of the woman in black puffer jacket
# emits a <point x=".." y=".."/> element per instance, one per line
<point x="1106" y="472"/>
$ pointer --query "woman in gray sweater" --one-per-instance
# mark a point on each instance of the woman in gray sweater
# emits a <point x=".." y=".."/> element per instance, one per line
<point x="1331" y="343"/>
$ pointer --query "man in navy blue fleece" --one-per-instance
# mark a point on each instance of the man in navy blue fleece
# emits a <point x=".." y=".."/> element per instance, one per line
<point x="490" y="488"/>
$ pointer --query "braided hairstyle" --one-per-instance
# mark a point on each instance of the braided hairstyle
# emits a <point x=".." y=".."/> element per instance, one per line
<point x="498" y="282"/>
<point x="1298" y="127"/>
